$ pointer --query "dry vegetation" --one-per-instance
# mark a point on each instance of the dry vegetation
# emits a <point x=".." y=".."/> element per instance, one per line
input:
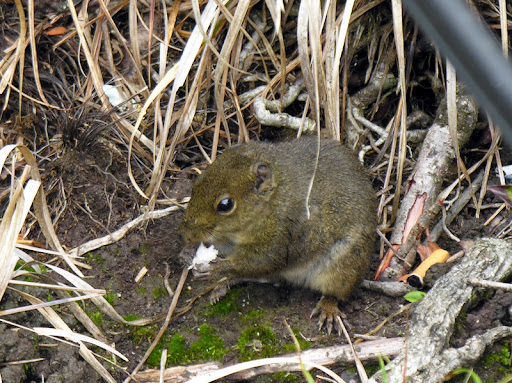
<point x="149" y="88"/>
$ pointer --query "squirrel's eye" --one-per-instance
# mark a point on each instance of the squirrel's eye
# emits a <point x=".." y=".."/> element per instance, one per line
<point x="226" y="205"/>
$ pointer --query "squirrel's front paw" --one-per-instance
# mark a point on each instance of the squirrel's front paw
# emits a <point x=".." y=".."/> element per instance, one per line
<point x="328" y="314"/>
<point x="220" y="290"/>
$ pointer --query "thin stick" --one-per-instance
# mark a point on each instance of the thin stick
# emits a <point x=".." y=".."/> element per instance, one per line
<point x="490" y="284"/>
<point x="174" y="302"/>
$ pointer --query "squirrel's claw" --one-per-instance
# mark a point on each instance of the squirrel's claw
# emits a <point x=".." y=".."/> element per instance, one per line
<point x="219" y="291"/>
<point x="328" y="313"/>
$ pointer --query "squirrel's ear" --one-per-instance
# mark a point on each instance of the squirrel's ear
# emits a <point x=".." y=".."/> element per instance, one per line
<point x="263" y="176"/>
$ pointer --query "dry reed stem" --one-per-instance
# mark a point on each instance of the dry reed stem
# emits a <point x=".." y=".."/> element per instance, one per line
<point x="22" y="198"/>
<point x="35" y="61"/>
<point x="59" y="324"/>
<point x="401" y="117"/>
<point x="451" y="101"/>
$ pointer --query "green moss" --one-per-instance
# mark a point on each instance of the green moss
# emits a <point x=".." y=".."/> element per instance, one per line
<point x="141" y="290"/>
<point x="96" y="317"/>
<point x="285" y="376"/>
<point x="209" y="346"/>
<point x="28" y="267"/>
<point x="303" y="343"/>
<point x="143" y="333"/>
<point x="131" y="317"/>
<point x="159" y="292"/>
<point x="93" y="257"/>
<point x="370" y="369"/>
<point x="502" y="358"/>
<point x="110" y="297"/>
<point x="177" y="352"/>
<point x="154" y="358"/>
<point x="253" y="314"/>
<point x="20" y="264"/>
<point x="257" y="341"/>
<point x="225" y="306"/>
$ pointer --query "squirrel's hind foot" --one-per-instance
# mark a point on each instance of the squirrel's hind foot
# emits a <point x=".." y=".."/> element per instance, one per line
<point x="329" y="315"/>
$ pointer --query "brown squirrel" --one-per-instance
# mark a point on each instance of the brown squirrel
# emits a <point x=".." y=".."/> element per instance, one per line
<point x="253" y="204"/>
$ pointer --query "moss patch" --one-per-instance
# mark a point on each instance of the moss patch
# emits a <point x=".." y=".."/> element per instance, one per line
<point x="131" y="317"/>
<point x="159" y="292"/>
<point x="257" y="341"/>
<point x="94" y="257"/>
<point x="253" y="315"/>
<point x="141" y="290"/>
<point x="110" y="297"/>
<point x="225" y="306"/>
<point x="303" y="343"/>
<point x="502" y="359"/>
<point x="96" y="317"/>
<point x="143" y="334"/>
<point x="177" y="352"/>
<point x="209" y="346"/>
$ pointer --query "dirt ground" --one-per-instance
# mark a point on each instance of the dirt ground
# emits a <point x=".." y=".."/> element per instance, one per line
<point x="248" y="323"/>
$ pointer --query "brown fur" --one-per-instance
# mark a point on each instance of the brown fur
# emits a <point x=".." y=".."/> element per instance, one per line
<point x="269" y="234"/>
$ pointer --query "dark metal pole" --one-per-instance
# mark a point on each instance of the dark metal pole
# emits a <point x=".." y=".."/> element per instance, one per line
<point x="473" y="51"/>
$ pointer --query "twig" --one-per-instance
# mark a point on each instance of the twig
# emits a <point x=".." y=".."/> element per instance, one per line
<point x="174" y="302"/>
<point x="121" y="232"/>
<point x="462" y="201"/>
<point x="490" y="284"/>
<point x="359" y="366"/>
<point x="391" y="289"/>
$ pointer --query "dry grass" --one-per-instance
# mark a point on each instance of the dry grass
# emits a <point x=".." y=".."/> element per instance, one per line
<point x="182" y="69"/>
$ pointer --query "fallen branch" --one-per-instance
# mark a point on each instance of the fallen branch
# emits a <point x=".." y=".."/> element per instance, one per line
<point x="391" y="289"/>
<point x="270" y="113"/>
<point x="366" y="351"/>
<point x="428" y="356"/>
<point x="424" y="185"/>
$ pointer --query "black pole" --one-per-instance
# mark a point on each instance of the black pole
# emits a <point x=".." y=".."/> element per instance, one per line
<point x="474" y="52"/>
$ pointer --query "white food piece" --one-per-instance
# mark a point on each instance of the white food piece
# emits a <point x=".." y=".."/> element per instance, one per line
<point x="507" y="170"/>
<point x="204" y="255"/>
<point x="113" y="94"/>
